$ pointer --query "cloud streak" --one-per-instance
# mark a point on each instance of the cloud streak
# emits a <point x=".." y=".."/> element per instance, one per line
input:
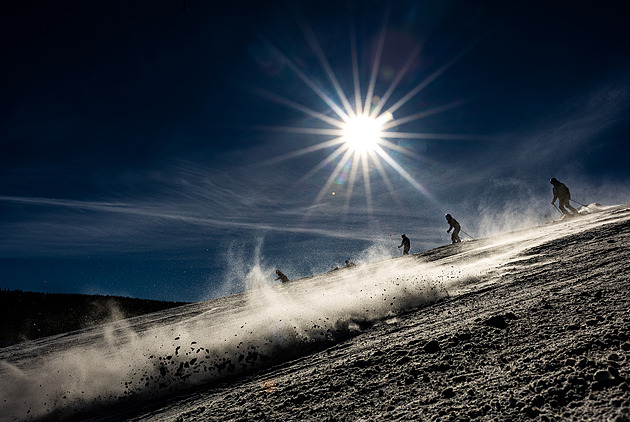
<point x="130" y="219"/>
<point x="580" y="121"/>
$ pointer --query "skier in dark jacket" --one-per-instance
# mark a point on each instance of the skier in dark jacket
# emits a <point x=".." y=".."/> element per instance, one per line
<point x="561" y="192"/>
<point x="406" y="243"/>
<point x="281" y="276"/>
<point x="453" y="224"/>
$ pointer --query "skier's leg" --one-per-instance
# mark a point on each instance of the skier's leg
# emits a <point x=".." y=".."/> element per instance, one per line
<point x="564" y="202"/>
<point x="456" y="238"/>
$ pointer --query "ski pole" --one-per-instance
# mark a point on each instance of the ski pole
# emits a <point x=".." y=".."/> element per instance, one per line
<point x="556" y="207"/>
<point x="579" y="203"/>
<point x="467" y="234"/>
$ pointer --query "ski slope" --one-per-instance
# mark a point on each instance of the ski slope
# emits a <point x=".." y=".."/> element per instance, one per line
<point x="139" y="360"/>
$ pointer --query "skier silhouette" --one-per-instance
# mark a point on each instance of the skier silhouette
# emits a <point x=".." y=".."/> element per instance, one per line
<point x="349" y="264"/>
<point x="281" y="276"/>
<point x="406" y="243"/>
<point x="561" y="192"/>
<point x="453" y="224"/>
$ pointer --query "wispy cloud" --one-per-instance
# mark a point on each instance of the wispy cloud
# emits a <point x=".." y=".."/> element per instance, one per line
<point x="84" y="227"/>
<point x="580" y="120"/>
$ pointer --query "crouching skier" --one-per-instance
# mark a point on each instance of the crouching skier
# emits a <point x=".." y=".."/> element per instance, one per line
<point x="281" y="276"/>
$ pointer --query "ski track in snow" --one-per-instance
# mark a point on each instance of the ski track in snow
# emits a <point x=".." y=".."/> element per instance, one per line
<point x="157" y="355"/>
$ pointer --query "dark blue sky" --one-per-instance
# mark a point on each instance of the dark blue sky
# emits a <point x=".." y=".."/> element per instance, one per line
<point x="139" y="141"/>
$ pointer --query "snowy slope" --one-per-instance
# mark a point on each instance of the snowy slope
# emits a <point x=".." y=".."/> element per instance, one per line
<point x="116" y="369"/>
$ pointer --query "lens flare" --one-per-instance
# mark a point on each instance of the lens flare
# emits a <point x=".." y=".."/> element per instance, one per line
<point x="362" y="134"/>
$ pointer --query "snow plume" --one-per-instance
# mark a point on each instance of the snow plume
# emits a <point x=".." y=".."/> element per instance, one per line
<point x="146" y="358"/>
<point x="510" y="218"/>
<point x="378" y="251"/>
<point x="155" y="355"/>
<point x="506" y="205"/>
<point x="244" y="270"/>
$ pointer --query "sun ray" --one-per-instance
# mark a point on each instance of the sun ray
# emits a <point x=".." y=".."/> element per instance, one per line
<point x="334" y="174"/>
<point x="355" y="68"/>
<point x="424" y="114"/>
<point x="304" y="130"/>
<point x="321" y="165"/>
<point x="381" y="171"/>
<point x="432" y="77"/>
<point x="352" y="180"/>
<point x="305" y="150"/>
<point x="321" y="94"/>
<point x="316" y="48"/>
<point x="377" y="61"/>
<point x="389" y="160"/>
<point x="440" y="136"/>
<point x="366" y="183"/>
<point x="398" y="148"/>
<point x="395" y="82"/>
<point x="299" y="107"/>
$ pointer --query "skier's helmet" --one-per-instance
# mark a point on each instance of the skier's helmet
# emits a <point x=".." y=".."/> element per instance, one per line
<point x="553" y="181"/>
<point x="448" y="216"/>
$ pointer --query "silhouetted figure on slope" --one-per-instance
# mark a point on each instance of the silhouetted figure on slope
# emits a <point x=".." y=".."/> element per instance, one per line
<point x="281" y="276"/>
<point x="349" y="264"/>
<point x="406" y="243"/>
<point x="561" y="192"/>
<point x="453" y="225"/>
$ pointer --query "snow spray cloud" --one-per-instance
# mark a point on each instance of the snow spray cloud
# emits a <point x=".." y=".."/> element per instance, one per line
<point x="147" y="357"/>
<point x="529" y="206"/>
<point x="509" y="218"/>
<point x="244" y="271"/>
<point x="378" y="251"/>
<point x="151" y="356"/>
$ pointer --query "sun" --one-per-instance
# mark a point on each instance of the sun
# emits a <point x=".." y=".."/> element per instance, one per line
<point x="362" y="134"/>
<point x="363" y="138"/>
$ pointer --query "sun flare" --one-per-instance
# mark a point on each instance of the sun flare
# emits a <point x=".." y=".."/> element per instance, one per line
<point x="362" y="133"/>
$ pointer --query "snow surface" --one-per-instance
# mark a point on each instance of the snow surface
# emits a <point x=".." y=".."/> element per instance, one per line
<point x="207" y="350"/>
